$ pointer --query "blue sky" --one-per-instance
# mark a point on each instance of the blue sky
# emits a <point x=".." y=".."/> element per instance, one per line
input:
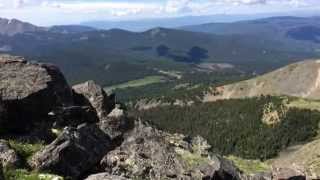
<point x="48" y="12"/>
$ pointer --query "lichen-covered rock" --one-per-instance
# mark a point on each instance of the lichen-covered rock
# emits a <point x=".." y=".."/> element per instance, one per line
<point x="8" y="156"/>
<point x="105" y="176"/>
<point x="74" y="152"/>
<point x="147" y="153"/>
<point x="30" y="91"/>
<point x="116" y="123"/>
<point x="222" y="169"/>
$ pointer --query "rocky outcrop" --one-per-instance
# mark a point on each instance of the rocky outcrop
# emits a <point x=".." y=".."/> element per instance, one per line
<point x="30" y="91"/>
<point x="148" y="153"/>
<point x="116" y="123"/>
<point x="105" y="176"/>
<point x="112" y="119"/>
<point x="74" y="152"/>
<point x="8" y="156"/>
<point x="95" y="96"/>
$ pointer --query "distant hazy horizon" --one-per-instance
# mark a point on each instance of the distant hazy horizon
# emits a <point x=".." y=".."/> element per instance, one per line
<point x="58" y="12"/>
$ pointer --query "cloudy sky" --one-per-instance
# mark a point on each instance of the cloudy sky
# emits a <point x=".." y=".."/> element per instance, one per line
<point x="48" y="12"/>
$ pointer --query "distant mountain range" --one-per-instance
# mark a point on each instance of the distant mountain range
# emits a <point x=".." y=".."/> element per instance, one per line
<point x="146" y="24"/>
<point x="140" y="25"/>
<point x="86" y="53"/>
<point x="13" y="26"/>
<point x="281" y="28"/>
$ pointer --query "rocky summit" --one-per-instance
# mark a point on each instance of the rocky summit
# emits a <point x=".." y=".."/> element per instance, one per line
<point x="82" y="133"/>
<point x="12" y="27"/>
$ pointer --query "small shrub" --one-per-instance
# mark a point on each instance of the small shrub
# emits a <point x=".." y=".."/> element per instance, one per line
<point x="25" y="150"/>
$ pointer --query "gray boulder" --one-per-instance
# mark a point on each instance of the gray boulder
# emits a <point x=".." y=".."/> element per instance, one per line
<point x="8" y="156"/>
<point x="74" y="152"/>
<point x="105" y="176"/>
<point x="112" y="120"/>
<point x="30" y="91"/>
<point x="221" y="169"/>
<point x="91" y="94"/>
<point x="116" y="123"/>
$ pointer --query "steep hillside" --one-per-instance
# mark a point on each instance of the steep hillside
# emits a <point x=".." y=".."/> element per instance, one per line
<point x="301" y="79"/>
<point x="304" y="157"/>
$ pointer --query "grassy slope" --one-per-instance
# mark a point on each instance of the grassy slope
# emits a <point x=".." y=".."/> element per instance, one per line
<point x="137" y="83"/>
<point x="305" y="156"/>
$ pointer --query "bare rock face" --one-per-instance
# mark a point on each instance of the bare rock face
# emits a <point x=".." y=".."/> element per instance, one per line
<point x="30" y="91"/>
<point x="105" y="176"/>
<point x="74" y="152"/>
<point x="8" y="157"/>
<point x="147" y="153"/>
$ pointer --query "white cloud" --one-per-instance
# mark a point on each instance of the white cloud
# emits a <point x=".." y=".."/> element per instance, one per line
<point x="74" y="11"/>
<point x="112" y="8"/>
<point x="178" y="6"/>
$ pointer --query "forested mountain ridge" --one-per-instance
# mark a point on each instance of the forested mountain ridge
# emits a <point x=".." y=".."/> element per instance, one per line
<point x="251" y="128"/>
<point x="84" y="53"/>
